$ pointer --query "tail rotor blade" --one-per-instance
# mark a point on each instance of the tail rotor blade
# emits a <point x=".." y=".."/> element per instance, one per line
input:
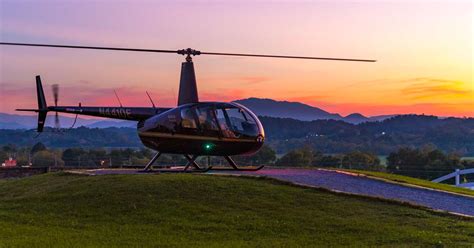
<point x="56" y="121"/>
<point x="55" y="94"/>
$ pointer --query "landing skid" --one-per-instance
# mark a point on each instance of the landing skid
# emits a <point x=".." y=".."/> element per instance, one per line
<point x="191" y="162"/>
<point x="176" y="170"/>
<point x="234" y="166"/>
<point x="197" y="169"/>
<point x="247" y="168"/>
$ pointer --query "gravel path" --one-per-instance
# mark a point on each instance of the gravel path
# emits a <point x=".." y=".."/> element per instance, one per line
<point x="352" y="183"/>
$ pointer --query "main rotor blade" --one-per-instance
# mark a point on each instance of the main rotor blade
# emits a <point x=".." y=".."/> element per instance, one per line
<point x="287" y="57"/>
<point x="91" y="47"/>
<point x="187" y="51"/>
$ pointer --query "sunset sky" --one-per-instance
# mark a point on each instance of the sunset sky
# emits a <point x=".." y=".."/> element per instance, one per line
<point x="424" y="52"/>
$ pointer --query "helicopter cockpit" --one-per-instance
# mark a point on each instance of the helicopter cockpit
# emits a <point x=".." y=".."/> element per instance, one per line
<point x="209" y="119"/>
<point x="227" y="120"/>
<point x="212" y="128"/>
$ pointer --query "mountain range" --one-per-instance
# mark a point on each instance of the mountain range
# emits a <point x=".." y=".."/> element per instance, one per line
<point x="14" y="121"/>
<point x="301" y="111"/>
<point x="261" y="107"/>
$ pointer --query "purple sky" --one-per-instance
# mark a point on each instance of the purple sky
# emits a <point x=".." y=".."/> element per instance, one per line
<point x="423" y="48"/>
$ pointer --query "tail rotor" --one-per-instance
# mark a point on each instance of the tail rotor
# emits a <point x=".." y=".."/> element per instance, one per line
<point x="43" y="108"/>
<point x="55" y="88"/>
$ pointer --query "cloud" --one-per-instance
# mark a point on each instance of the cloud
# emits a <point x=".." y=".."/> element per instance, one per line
<point x="423" y="88"/>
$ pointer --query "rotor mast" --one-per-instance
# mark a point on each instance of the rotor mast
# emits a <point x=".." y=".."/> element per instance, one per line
<point x="188" y="92"/>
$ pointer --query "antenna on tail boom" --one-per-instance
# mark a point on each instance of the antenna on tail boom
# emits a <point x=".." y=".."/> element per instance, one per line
<point x="151" y="100"/>
<point x="118" y="99"/>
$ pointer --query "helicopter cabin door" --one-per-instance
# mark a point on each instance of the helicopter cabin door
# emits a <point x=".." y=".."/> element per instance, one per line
<point x="207" y="121"/>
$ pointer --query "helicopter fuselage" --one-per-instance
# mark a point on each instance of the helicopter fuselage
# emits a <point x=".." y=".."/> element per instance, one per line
<point x="205" y="128"/>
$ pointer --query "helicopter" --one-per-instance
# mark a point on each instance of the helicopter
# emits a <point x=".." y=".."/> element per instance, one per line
<point x="193" y="128"/>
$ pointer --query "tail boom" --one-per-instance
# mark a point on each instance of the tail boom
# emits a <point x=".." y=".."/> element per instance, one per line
<point x="123" y="113"/>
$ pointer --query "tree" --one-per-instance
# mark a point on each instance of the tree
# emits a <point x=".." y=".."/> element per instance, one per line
<point x="322" y="160"/>
<point x="360" y="160"/>
<point x="423" y="163"/>
<point x="74" y="157"/>
<point x="38" y="147"/>
<point x="266" y="155"/>
<point x="9" y="148"/>
<point x="3" y="156"/>
<point x="123" y="157"/>
<point x="299" y="157"/>
<point x="46" y="158"/>
<point x="96" y="156"/>
<point x="146" y="153"/>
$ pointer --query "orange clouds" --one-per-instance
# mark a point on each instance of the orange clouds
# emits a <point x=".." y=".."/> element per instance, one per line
<point x="426" y="88"/>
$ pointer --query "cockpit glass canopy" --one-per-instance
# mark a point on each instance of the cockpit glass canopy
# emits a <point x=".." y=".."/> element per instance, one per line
<point x="187" y="118"/>
<point x="232" y="121"/>
<point x="206" y="118"/>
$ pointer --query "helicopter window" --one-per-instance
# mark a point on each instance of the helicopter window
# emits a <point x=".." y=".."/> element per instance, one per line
<point x="248" y="118"/>
<point x="221" y="119"/>
<point x="206" y="118"/>
<point x="187" y="118"/>
<point x="241" y="123"/>
<point x="224" y="124"/>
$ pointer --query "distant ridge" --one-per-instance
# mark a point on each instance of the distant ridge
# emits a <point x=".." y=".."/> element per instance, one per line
<point x="14" y="121"/>
<point x="356" y="118"/>
<point x="285" y="109"/>
<point x="301" y="111"/>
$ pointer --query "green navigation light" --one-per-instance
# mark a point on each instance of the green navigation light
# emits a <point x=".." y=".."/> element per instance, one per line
<point x="208" y="146"/>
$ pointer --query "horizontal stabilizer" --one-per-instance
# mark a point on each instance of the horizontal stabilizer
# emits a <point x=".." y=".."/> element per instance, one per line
<point x="28" y="110"/>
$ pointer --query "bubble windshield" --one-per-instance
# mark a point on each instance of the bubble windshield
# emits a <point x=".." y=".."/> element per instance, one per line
<point x="231" y="120"/>
<point x="237" y="121"/>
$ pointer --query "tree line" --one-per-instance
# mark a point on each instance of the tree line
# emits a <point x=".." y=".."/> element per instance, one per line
<point x="451" y="135"/>
<point x="427" y="162"/>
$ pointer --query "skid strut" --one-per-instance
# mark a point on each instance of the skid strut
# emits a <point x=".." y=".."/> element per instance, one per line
<point x="148" y="166"/>
<point x="191" y="161"/>
<point x="196" y="167"/>
<point x="234" y="166"/>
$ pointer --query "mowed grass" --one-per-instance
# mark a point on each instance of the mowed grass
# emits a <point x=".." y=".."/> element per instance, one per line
<point x="414" y="181"/>
<point x="65" y="210"/>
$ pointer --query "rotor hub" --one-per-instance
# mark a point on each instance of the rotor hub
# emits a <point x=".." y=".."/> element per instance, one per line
<point x="188" y="52"/>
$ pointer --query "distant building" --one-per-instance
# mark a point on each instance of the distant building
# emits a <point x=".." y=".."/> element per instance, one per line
<point x="10" y="162"/>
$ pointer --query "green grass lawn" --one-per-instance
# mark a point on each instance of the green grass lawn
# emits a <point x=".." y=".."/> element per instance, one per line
<point x="415" y="181"/>
<point x="208" y="211"/>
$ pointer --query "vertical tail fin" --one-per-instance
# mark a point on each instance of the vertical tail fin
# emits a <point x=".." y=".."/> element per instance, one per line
<point x="42" y="107"/>
<point x="40" y="94"/>
<point x="187" y="84"/>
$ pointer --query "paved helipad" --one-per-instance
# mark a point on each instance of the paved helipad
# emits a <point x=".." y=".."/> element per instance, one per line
<point x="354" y="184"/>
